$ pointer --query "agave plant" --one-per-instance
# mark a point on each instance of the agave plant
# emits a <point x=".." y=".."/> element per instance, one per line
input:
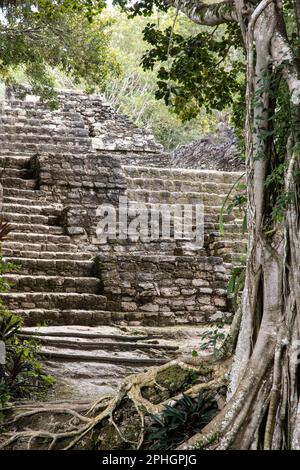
<point x="179" y="422"/>
<point x="9" y="325"/>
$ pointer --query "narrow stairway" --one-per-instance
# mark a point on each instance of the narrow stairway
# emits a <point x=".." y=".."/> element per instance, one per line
<point x="54" y="282"/>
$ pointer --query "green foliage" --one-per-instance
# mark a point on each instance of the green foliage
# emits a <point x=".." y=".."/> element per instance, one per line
<point x="141" y="7"/>
<point x="4" y="269"/>
<point x="237" y="280"/>
<point x="89" y="8"/>
<point x="211" y="338"/>
<point x="37" y="41"/>
<point x="179" y="422"/>
<point x="133" y="92"/>
<point x="187" y="61"/>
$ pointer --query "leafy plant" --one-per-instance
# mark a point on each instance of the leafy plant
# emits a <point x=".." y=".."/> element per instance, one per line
<point x="211" y="338"/>
<point x="179" y="422"/>
<point x="22" y="374"/>
<point x="38" y="44"/>
<point x="237" y="280"/>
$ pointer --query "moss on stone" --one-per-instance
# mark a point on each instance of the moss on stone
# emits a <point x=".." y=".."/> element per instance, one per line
<point x="176" y="379"/>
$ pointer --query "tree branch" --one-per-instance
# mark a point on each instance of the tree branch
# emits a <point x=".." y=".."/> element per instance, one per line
<point x="206" y="14"/>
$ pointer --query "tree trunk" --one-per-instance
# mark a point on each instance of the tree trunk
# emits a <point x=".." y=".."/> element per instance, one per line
<point x="263" y="408"/>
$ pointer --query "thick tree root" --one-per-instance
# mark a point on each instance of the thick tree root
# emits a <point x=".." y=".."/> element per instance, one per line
<point x="146" y="393"/>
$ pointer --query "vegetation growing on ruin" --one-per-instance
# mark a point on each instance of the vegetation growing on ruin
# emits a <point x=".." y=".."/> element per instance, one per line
<point x="106" y="53"/>
<point x="134" y="91"/>
<point x="40" y="41"/>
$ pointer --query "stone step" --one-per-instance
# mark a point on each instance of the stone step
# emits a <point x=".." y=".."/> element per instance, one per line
<point x="53" y="300"/>
<point x="89" y="317"/>
<point x="192" y="250"/>
<point x="18" y="247"/>
<point x="52" y="267"/>
<point x="63" y="317"/>
<point x="44" y="238"/>
<point x="94" y="173"/>
<point x="44" y="125"/>
<point x="23" y="194"/>
<point x="99" y="345"/>
<point x="104" y="347"/>
<point x="154" y="246"/>
<point x="24" y="110"/>
<point x="160" y="184"/>
<point x="232" y="246"/>
<point x="14" y="161"/>
<point x="234" y="227"/>
<point x="44" y="210"/>
<point x="211" y="216"/>
<point x="169" y="197"/>
<point x="100" y="357"/>
<point x="44" y="139"/>
<point x="29" y="219"/>
<point x="27" y="128"/>
<point x="8" y="182"/>
<point x="36" y="228"/>
<point x="217" y="236"/>
<point x="105" y="334"/>
<point x="87" y="379"/>
<point x="8" y="147"/>
<point x="44" y="118"/>
<point x="149" y="207"/>
<point x="21" y="283"/>
<point x="234" y="258"/>
<point x="182" y="174"/>
<point x="23" y="173"/>
<point x="48" y="255"/>
<point x="137" y="241"/>
<point x="207" y="259"/>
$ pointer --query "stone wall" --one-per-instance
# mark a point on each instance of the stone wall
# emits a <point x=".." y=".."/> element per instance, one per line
<point x="165" y="290"/>
<point x="150" y="159"/>
<point x="81" y="179"/>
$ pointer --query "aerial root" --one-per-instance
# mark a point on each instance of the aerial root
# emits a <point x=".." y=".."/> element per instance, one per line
<point x="104" y="408"/>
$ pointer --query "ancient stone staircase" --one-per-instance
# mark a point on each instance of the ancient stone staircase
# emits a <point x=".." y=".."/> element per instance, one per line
<point x="175" y="282"/>
<point x="55" y="274"/>
<point x="103" y="308"/>
<point x="55" y="282"/>
<point x="179" y="186"/>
